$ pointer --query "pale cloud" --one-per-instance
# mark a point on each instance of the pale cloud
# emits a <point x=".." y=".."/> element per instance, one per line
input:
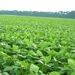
<point x="38" y="5"/>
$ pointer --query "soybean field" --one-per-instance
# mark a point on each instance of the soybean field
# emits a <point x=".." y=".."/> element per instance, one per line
<point x="37" y="46"/>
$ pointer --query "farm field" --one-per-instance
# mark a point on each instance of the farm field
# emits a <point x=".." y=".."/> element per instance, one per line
<point x="37" y="46"/>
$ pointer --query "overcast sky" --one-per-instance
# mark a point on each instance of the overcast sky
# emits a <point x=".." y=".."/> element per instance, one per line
<point x="38" y="5"/>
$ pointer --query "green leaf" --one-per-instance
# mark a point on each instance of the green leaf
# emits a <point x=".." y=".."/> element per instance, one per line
<point x="53" y="44"/>
<point x="73" y="51"/>
<point x="34" y="68"/>
<point x="18" y="72"/>
<point x="15" y="47"/>
<point x="39" y="53"/>
<point x="5" y="73"/>
<point x="34" y="45"/>
<point x="8" y="68"/>
<point x="4" y="54"/>
<point x="47" y="59"/>
<point x="52" y="53"/>
<point x="63" y="42"/>
<point x="61" y="52"/>
<point x="54" y="73"/>
<point x="69" y="72"/>
<point x="71" y="63"/>
<point x="50" y="64"/>
<point x="23" y="63"/>
<point x="73" y="73"/>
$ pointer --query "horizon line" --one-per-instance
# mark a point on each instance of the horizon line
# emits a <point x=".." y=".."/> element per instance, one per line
<point x="37" y="11"/>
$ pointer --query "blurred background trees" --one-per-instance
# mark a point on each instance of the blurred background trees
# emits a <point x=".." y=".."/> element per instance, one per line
<point x="60" y="14"/>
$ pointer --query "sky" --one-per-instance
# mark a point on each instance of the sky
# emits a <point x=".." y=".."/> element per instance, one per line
<point x="38" y="5"/>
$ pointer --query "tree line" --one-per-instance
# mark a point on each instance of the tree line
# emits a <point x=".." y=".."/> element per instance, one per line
<point x="60" y="14"/>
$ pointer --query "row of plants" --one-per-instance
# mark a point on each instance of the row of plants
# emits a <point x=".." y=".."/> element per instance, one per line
<point x="37" y="46"/>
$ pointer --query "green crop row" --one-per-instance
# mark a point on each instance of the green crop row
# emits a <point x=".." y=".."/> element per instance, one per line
<point x="37" y="46"/>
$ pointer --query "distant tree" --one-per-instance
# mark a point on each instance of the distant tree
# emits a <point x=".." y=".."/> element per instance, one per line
<point x="60" y="14"/>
